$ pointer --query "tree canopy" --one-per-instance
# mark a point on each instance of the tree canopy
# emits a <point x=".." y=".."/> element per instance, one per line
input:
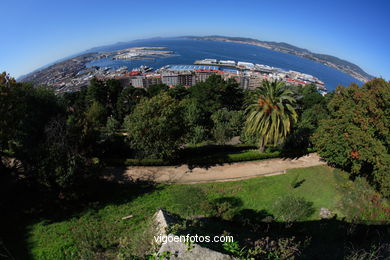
<point x="156" y="126"/>
<point x="356" y="136"/>
<point x="271" y="114"/>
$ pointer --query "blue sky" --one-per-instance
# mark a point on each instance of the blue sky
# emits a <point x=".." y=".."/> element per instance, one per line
<point x="37" y="32"/>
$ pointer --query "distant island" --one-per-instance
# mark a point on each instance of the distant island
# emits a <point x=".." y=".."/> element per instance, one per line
<point x="328" y="60"/>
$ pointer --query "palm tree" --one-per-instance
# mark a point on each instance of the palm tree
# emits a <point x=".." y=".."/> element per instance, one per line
<point x="271" y="113"/>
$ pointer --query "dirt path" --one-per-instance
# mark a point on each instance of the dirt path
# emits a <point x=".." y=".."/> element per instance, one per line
<point x="226" y="172"/>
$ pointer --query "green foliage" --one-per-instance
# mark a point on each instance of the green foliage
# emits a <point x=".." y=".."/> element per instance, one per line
<point x="308" y="97"/>
<point x="156" y="89"/>
<point x="127" y="100"/>
<point x="195" y="119"/>
<point x="59" y="166"/>
<point x="96" y="114"/>
<point x="156" y="127"/>
<point x="291" y="208"/>
<point x="271" y="114"/>
<point x="356" y="137"/>
<point x="24" y="113"/>
<point x="266" y="248"/>
<point x="312" y="109"/>
<point x="281" y="248"/>
<point x="233" y="248"/>
<point x="227" y="124"/>
<point x="104" y="92"/>
<point x="248" y="155"/>
<point x="198" y="134"/>
<point x="359" y="203"/>
<point x="215" y="93"/>
<point x="112" y="126"/>
<point x="179" y="92"/>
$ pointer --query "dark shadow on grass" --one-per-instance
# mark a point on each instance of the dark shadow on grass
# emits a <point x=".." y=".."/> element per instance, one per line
<point x="30" y="205"/>
<point x="298" y="183"/>
<point x="325" y="239"/>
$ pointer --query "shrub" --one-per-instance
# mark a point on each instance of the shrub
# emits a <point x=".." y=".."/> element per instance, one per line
<point x="374" y="253"/>
<point x="249" y="155"/>
<point x="290" y="209"/>
<point x="360" y="203"/>
<point x="281" y="248"/>
<point x="266" y="248"/>
<point x="197" y="134"/>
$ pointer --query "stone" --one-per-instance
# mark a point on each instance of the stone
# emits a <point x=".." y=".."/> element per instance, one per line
<point x="325" y="213"/>
<point x="179" y="250"/>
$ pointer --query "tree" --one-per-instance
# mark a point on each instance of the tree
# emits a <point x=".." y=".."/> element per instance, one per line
<point x="114" y="89"/>
<point x="156" y="127"/>
<point x="179" y="92"/>
<point x="33" y="128"/>
<point x="227" y="124"/>
<point x="216" y="93"/>
<point x="156" y="89"/>
<point x="271" y="114"/>
<point x="97" y="91"/>
<point x="210" y="96"/>
<point x="112" y="126"/>
<point x="24" y="112"/>
<point x="196" y="121"/>
<point x="311" y="108"/>
<point x="356" y="136"/>
<point x="96" y="114"/>
<point x="127" y="100"/>
<point x="60" y="165"/>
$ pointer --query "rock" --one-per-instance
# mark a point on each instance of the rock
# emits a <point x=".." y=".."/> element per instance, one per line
<point x="177" y="250"/>
<point x="163" y="220"/>
<point x="180" y="250"/>
<point x="326" y="213"/>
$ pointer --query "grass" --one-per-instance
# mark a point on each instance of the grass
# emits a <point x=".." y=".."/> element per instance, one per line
<point x="101" y="230"/>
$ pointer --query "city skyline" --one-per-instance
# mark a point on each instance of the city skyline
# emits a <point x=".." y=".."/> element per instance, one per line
<point x="41" y="32"/>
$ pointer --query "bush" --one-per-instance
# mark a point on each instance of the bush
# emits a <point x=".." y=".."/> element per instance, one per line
<point x="197" y="134"/>
<point x="281" y="248"/>
<point x="376" y="252"/>
<point x="290" y="209"/>
<point x="360" y="203"/>
<point x="227" y="124"/>
<point x="267" y="248"/>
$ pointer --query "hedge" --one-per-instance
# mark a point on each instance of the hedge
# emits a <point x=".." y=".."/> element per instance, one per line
<point x="250" y="155"/>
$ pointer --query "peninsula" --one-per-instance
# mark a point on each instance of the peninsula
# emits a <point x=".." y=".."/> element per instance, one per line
<point x="328" y="60"/>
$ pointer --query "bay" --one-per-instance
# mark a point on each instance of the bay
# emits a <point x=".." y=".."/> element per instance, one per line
<point x="189" y="50"/>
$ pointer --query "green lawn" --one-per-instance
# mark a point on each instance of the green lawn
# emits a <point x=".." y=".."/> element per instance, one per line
<point x="101" y="228"/>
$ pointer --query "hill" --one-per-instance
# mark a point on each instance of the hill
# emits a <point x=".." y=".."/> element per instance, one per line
<point x="328" y="60"/>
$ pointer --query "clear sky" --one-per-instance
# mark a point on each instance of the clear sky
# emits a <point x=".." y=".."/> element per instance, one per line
<point x="36" y="32"/>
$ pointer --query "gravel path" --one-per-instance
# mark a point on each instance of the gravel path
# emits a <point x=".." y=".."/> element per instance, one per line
<point x="218" y="173"/>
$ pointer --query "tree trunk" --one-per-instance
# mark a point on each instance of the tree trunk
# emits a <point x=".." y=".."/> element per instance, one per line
<point x="262" y="145"/>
